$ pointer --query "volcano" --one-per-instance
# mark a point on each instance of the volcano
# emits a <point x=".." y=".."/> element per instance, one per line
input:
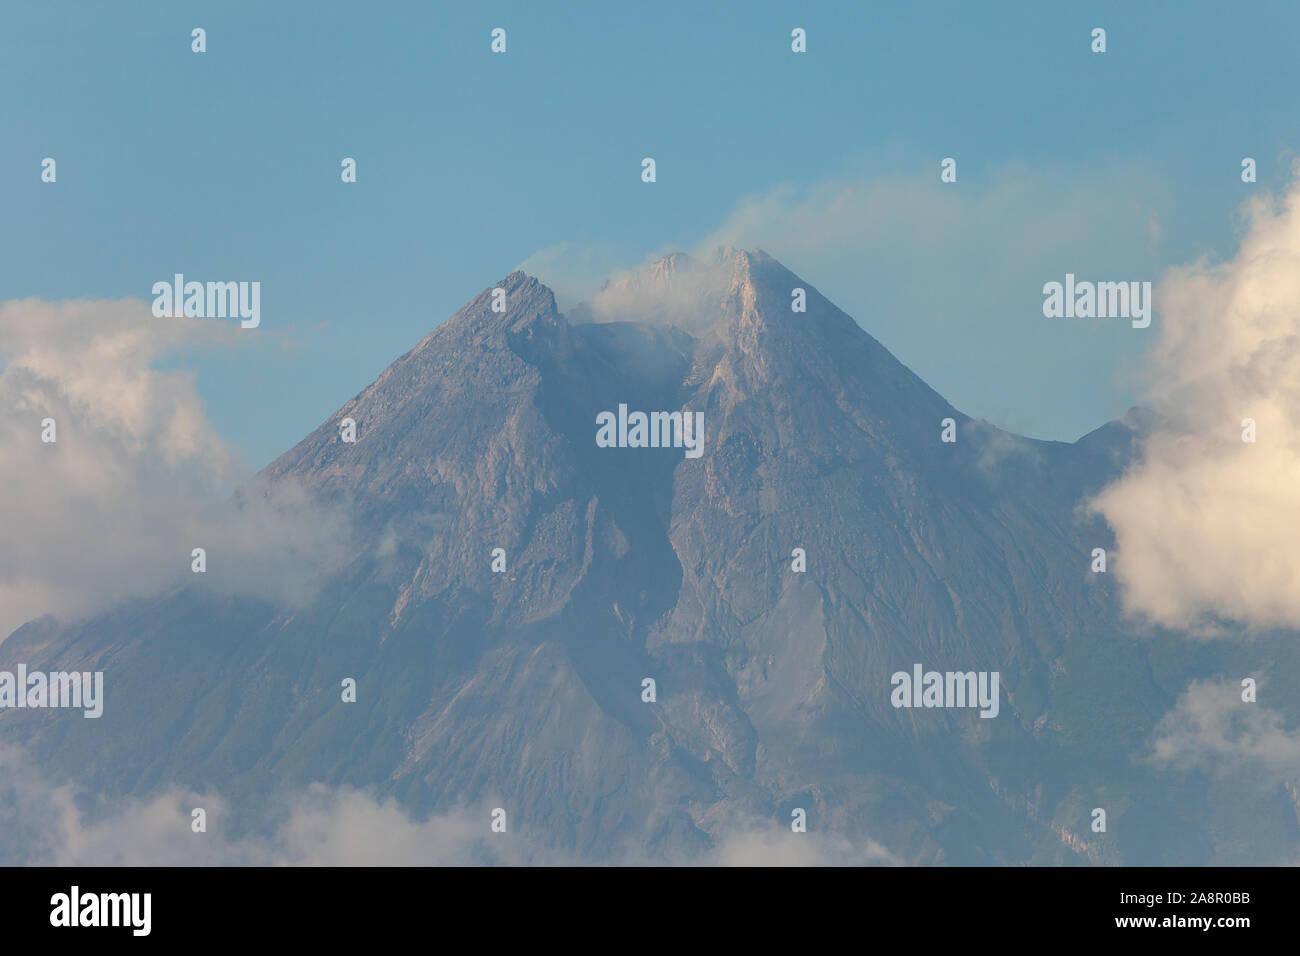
<point x="513" y="584"/>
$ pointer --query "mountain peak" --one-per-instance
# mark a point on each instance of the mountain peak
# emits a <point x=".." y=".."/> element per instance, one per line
<point x="524" y="295"/>
<point x="516" y="304"/>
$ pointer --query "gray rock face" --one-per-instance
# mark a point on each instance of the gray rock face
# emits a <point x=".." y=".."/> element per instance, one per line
<point x="524" y="687"/>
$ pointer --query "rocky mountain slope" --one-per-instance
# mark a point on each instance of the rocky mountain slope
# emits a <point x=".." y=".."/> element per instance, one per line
<point x="523" y="688"/>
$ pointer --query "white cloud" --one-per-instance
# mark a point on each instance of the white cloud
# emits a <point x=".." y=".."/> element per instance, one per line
<point x="772" y="846"/>
<point x="1212" y="728"/>
<point x="137" y="477"/>
<point x="1207" y="525"/>
<point x="47" y="825"/>
<point x="319" y="826"/>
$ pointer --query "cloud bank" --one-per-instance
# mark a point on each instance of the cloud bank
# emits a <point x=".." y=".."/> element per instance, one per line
<point x="1207" y="525"/>
<point x="46" y="825"/>
<point x="137" y="477"/>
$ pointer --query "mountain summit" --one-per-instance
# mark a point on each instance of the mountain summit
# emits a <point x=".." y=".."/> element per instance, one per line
<point x="636" y="652"/>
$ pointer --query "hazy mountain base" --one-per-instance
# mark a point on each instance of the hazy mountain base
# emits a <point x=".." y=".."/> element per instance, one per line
<point x="522" y="690"/>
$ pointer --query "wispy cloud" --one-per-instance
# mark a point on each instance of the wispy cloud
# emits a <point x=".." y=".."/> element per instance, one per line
<point x="1212" y="728"/>
<point x="138" y="477"/>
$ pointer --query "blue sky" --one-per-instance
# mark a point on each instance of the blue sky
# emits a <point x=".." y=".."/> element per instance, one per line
<point x="225" y="165"/>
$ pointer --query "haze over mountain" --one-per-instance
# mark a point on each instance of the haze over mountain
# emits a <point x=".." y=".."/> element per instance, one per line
<point x="523" y="689"/>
